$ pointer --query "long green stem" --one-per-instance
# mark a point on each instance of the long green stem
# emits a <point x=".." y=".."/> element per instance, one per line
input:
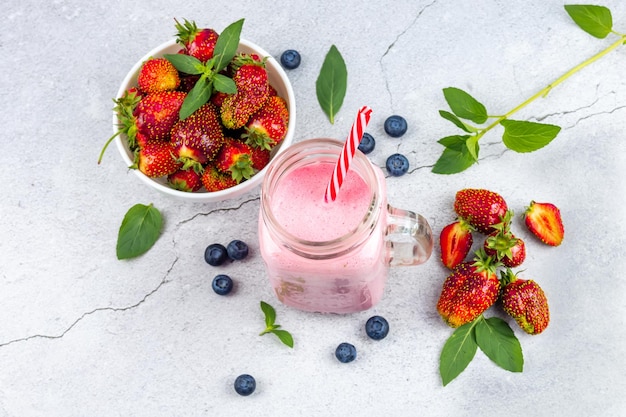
<point x="544" y="92"/>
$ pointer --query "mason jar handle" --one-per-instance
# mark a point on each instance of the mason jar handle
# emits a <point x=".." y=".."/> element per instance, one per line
<point x="409" y="238"/>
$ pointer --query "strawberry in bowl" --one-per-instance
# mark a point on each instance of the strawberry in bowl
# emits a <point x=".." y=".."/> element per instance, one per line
<point x="193" y="93"/>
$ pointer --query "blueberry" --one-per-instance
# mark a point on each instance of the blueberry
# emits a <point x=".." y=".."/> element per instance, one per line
<point x="377" y="327"/>
<point x="245" y="384"/>
<point x="215" y="254"/>
<point x="395" y="126"/>
<point x="397" y="165"/>
<point x="345" y="352"/>
<point x="222" y="284"/>
<point x="237" y="250"/>
<point x="367" y="143"/>
<point x="290" y="59"/>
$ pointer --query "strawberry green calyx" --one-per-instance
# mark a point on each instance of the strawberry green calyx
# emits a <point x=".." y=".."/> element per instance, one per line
<point x="242" y="59"/>
<point x="506" y="277"/>
<point x="484" y="263"/>
<point x="124" y="107"/>
<point x="187" y="31"/>
<point x="242" y="169"/>
<point x="501" y="244"/>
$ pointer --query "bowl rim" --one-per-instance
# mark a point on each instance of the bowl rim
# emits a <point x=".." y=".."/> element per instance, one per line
<point x="209" y="196"/>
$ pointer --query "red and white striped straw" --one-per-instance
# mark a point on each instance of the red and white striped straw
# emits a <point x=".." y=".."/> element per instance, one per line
<point x="347" y="153"/>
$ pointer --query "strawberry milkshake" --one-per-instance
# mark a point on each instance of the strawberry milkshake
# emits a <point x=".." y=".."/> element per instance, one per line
<point x="324" y="256"/>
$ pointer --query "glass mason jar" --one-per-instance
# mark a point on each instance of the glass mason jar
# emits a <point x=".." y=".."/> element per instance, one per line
<point x="333" y="273"/>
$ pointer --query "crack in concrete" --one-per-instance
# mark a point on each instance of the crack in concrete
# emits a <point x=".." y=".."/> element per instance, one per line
<point x="217" y="211"/>
<point x="542" y="118"/>
<point x="94" y="311"/>
<point x="392" y="44"/>
<point x="132" y="306"/>
<point x="594" y="115"/>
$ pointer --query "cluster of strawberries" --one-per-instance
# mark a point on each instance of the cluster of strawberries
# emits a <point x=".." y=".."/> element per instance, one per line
<point x="474" y="286"/>
<point x="224" y="141"/>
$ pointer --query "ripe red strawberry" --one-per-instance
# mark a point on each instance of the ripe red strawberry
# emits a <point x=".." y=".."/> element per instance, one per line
<point x="268" y="126"/>
<point x="525" y="301"/>
<point x="156" y="113"/>
<point x="188" y="82"/>
<point x="504" y="245"/>
<point x="214" y="180"/>
<point x="480" y="208"/>
<point x="198" y="43"/>
<point x="235" y="158"/>
<point x="250" y="78"/>
<point x="218" y="98"/>
<point x="469" y="290"/>
<point x="544" y="221"/>
<point x="157" y="159"/>
<point x="187" y="180"/>
<point x="455" y="241"/>
<point x="157" y="74"/>
<point x="259" y="157"/>
<point x="198" y="138"/>
<point x="141" y="140"/>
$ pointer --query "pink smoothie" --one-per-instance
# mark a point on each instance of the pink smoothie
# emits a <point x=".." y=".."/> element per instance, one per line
<point x="299" y="207"/>
<point x="344" y="283"/>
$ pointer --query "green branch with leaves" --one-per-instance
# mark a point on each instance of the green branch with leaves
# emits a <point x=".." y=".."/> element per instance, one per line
<point x="461" y="151"/>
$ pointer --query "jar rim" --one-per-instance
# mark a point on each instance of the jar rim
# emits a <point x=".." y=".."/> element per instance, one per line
<point x="304" y="153"/>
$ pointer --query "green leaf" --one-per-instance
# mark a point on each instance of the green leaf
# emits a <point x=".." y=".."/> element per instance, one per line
<point x="523" y="136"/>
<point x="199" y="95"/>
<point x="464" y="105"/>
<point x="332" y="83"/>
<point x="140" y="229"/>
<point x="270" y="314"/>
<point x="496" y="339"/>
<point x="186" y="63"/>
<point x="472" y="146"/>
<point x="224" y="84"/>
<point x="226" y="45"/>
<point x="452" y="118"/>
<point x="456" y="157"/>
<point x="595" y="20"/>
<point x="284" y="337"/>
<point x="458" y="352"/>
<point x="456" y="142"/>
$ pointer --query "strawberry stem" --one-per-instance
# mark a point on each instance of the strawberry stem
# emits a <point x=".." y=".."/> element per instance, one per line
<point x="107" y="144"/>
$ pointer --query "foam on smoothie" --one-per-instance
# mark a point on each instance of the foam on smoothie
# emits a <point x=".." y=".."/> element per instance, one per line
<point x="299" y="207"/>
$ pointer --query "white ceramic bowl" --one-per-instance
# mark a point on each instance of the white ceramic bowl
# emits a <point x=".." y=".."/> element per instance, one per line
<point x="277" y="78"/>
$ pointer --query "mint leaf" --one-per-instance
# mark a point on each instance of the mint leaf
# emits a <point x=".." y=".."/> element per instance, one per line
<point x="224" y="84"/>
<point x="140" y="229"/>
<point x="464" y="105"/>
<point x="269" y="312"/>
<point x="186" y="63"/>
<point x="472" y="146"/>
<point x="456" y="142"/>
<point x="452" y="118"/>
<point x="270" y="317"/>
<point x="332" y="83"/>
<point x="457" y="156"/>
<point x="284" y="337"/>
<point x="458" y="352"/>
<point x="226" y="45"/>
<point x="199" y="95"/>
<point x="496" y="339"/>
<point x="523" y="136"/>
<point x="595" y="20"/>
